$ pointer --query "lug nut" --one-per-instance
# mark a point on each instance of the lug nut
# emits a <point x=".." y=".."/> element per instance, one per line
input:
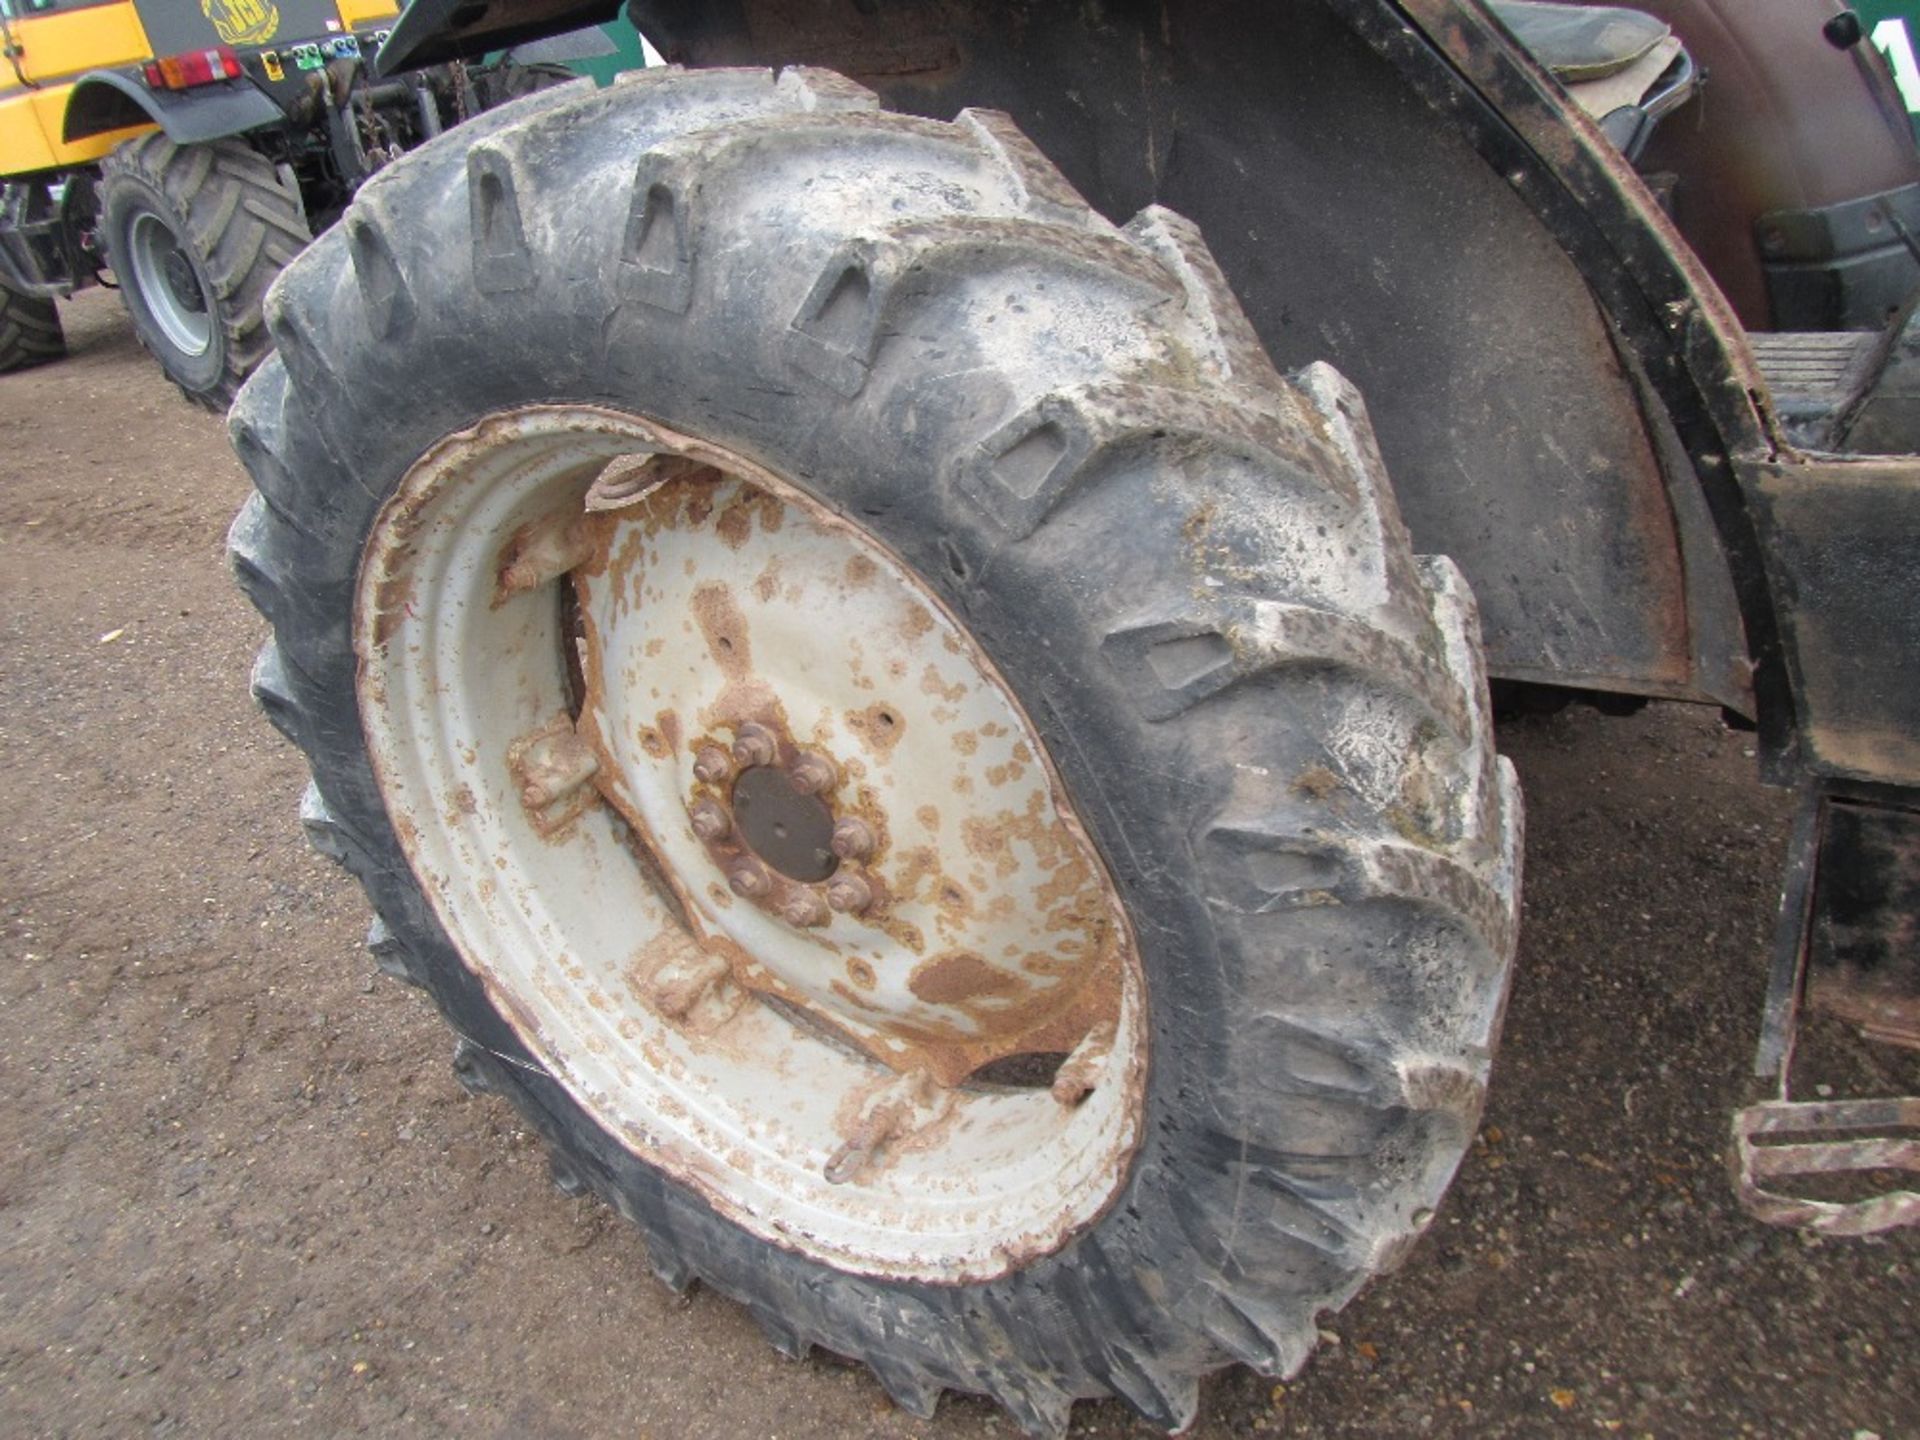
<point x="849" y="894"/>
<point x="754" y="745"/>
<point x="812" y="773"/>
<point x="712" y="764"/>
<point x="710" y="821"/>
<point x="749" y="879"/>
<point x="803" y="909"/>
<point x="852" y="839"/>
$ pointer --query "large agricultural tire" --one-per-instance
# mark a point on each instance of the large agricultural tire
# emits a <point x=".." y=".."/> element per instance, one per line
<point x="914" y="341"/>
<point x="195" y="235"/>
<point x="30" y="331"/>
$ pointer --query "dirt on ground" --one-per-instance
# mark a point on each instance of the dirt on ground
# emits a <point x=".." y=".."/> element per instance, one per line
<point x="241" y="1194"/>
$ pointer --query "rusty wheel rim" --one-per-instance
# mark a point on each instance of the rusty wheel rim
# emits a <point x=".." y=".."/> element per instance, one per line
<point x="751" y="845"/>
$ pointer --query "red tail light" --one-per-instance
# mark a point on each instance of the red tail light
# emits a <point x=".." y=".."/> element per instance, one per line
<point x="196" y="67"/>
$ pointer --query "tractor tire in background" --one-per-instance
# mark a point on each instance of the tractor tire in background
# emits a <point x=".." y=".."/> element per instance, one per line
<point x="195" y="235"/>
<point x="925" y="769"/>
<point x="30" y="331"/>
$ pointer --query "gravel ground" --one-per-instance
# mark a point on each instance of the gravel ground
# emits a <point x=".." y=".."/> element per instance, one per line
<point x="240" y="1193"/>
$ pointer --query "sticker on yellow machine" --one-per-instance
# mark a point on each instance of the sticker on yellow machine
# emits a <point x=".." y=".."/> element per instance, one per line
<point x="175" y="27"/>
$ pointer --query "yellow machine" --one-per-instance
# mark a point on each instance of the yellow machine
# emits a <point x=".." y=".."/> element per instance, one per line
<point x="192" y="150"/>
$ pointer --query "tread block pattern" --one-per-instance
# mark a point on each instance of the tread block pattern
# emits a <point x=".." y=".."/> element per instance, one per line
<point x="1024" y="470"/>
<point x="656" y="256"/>
<point x="30" y="332"/>
<point x="384" y="291"/>
<point x="1172" y="664"/>
<point x="836" y="332"/>
<point x="501" y="260"/>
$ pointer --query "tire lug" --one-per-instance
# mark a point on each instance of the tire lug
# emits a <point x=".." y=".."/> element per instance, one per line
<point x="852" y="838"/>
<point x="712" y="764"/>
<point x="812" y="773"/>
<point x="849" y="894"/>
<point x="803" y="908"/>
<point x="749" y="879"/>
<point x="710" y="821"/>
<point x="754" y="744"/>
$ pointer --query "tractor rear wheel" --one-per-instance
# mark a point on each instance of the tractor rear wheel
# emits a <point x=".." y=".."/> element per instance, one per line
<point x="926" y="770"/>
<point x="30" y="331"/>
<point x="195" y="234"/>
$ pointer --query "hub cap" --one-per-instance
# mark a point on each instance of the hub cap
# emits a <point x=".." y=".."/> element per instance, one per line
<point x="755" y="849"/>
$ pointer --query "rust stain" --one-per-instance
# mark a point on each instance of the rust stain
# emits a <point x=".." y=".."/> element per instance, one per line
<point x="932" y="684"/>
<point x="966" y="742"/>
<point x="861" y="973"/>
<point x="1316" y="782"/>
<point x="917" y="622"/>
<point x="960" y="976"/>
<point x="725" y="629"/>
<point x="879" y="726"/>
<point x="861" y="571"/>
<point x="735" y="525"/>
<point x="766" y="585"/>
<point x="669" y="724"/>
<point x="986" y="840"/>
<point x="852" y="996"/>
<point x="913" y="867"/>
<point x="928" y="816"/>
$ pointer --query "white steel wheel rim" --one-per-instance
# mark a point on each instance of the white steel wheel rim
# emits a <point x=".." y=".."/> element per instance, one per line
<point x="152" y="241"/>
<point x="744" y="1095"/>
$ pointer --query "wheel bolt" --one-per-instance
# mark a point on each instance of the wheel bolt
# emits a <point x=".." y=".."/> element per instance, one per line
<point x="849" y="894"/>
<point x="626" y="475"/>
<point x="803" y="908"/>
<point x="712" y="764"/>
<point x="852" y="839"/>
<point x="749" y="878"/>
<point x="812" y="773"/>
<point x="754" y="745"/>
<point x="710" y="820"/>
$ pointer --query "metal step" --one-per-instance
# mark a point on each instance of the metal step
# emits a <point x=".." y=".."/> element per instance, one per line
<point x="1817" y="378"/>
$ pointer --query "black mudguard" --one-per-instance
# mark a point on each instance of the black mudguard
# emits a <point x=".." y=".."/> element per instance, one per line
<point x="432" y="32"/>
<point x="108" y="100"/>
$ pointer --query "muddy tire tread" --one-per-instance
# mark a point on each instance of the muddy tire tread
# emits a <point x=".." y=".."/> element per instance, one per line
<point x="30" y="332"/>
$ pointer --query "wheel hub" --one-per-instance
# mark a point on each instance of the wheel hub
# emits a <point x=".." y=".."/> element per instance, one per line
<point x="781" y="883"/>
<point x="182" y="282"/>
<point x="784" y="825"/>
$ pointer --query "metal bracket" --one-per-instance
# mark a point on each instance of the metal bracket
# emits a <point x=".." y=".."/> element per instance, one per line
<point x="1782" y="1139"/>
